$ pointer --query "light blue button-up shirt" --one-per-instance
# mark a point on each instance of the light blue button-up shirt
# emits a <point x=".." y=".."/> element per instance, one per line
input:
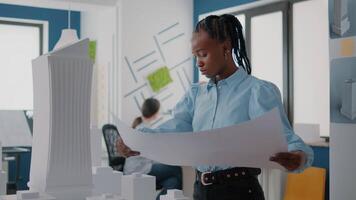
<point x="236" y="99"/>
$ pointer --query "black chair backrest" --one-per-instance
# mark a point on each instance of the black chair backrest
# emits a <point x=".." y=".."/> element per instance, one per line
<point x="111" y="134"/>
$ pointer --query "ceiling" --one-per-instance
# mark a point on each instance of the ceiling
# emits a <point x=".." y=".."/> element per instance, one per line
<point x="79" y="5"/>
<point x="98" y="2"/>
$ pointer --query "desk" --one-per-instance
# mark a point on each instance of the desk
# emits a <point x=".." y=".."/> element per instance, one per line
<point x="8" y="197"/>
<point x="19" y="167"/>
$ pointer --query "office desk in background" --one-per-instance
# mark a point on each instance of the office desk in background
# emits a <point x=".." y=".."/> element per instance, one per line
<point x="16" y="140"/>
<point x="19" y="161"/>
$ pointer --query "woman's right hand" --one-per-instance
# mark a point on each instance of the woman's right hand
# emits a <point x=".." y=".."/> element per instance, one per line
<point x="125" y="150"/>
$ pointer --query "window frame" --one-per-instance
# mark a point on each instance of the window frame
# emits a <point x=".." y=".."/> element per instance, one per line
<point x="286" y="7"/>
<point x="287" y="47"/>
<point x="28" y="24"/>
<point x="39" y="26"/>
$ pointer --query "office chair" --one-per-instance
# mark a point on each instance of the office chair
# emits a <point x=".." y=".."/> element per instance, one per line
<point x="111" y="134"/>
<point x="308" y="185"/>
<point x="116" y="161"/>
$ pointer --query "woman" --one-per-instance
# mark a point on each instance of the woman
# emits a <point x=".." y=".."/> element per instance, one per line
<point x="167" y="177"/>
<point x="232" y="96"/>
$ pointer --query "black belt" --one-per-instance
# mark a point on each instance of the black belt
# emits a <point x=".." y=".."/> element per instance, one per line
<point x="223" y="176"/>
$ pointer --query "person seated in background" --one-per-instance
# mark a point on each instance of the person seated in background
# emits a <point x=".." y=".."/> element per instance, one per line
<point x="167" y="177"/>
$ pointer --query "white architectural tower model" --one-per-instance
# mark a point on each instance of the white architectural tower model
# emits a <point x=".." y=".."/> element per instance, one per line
<point x="341" y="23"/>
<point x="61" y="158"/>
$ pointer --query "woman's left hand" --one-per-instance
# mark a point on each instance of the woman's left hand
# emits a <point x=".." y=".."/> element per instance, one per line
<point x="290" y="160"/>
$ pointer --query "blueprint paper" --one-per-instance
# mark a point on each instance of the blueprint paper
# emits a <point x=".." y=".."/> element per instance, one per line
<point x="249" y="144"/>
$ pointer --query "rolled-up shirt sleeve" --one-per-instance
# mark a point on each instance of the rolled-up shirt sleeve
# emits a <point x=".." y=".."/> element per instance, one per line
<point x="266" y="96"/>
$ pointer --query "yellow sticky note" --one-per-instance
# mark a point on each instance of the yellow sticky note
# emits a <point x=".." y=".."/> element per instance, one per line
<point x="347" y="47"/>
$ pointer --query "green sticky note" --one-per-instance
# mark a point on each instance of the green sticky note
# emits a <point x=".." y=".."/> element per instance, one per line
<point x="159" y="79"/>
<point x="92" y="50"/>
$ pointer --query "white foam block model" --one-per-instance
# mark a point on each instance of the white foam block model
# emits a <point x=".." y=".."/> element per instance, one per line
<point x="3" y="181"/>
<point x="3" y="175"/>
<point x="348" y="107"/>
<point x="106" y="197"/>
<point x="106" y="181"/>
<point x="61" y="158"/>
<point x="0" y="155"/>
<point x="138" y="187"/>
<point x="341" y="23"/>
<point x="29" y="195"/>
<point x="174" y="195"/>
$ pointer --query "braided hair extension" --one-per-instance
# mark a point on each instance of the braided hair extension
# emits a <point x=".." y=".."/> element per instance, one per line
<point x="227" y="27"/>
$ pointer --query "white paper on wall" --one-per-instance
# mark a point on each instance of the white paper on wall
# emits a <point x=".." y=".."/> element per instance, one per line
<point x="165" y="43"/>
<point x="249" y="144"/>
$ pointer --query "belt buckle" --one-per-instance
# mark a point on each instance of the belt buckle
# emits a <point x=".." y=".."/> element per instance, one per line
<point x="202" y="180"/>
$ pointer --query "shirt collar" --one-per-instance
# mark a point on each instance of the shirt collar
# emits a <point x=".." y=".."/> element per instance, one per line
<point x="234" y="79"/>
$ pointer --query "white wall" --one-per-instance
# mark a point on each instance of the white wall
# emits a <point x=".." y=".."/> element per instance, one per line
<point x="140" y="27"/>
<point x="127" y="30"/>
<point x="139" y="22"/>
<point x="311" y="67"/>
<point x="342" y="161"/>
<point x="100" y="25"/>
